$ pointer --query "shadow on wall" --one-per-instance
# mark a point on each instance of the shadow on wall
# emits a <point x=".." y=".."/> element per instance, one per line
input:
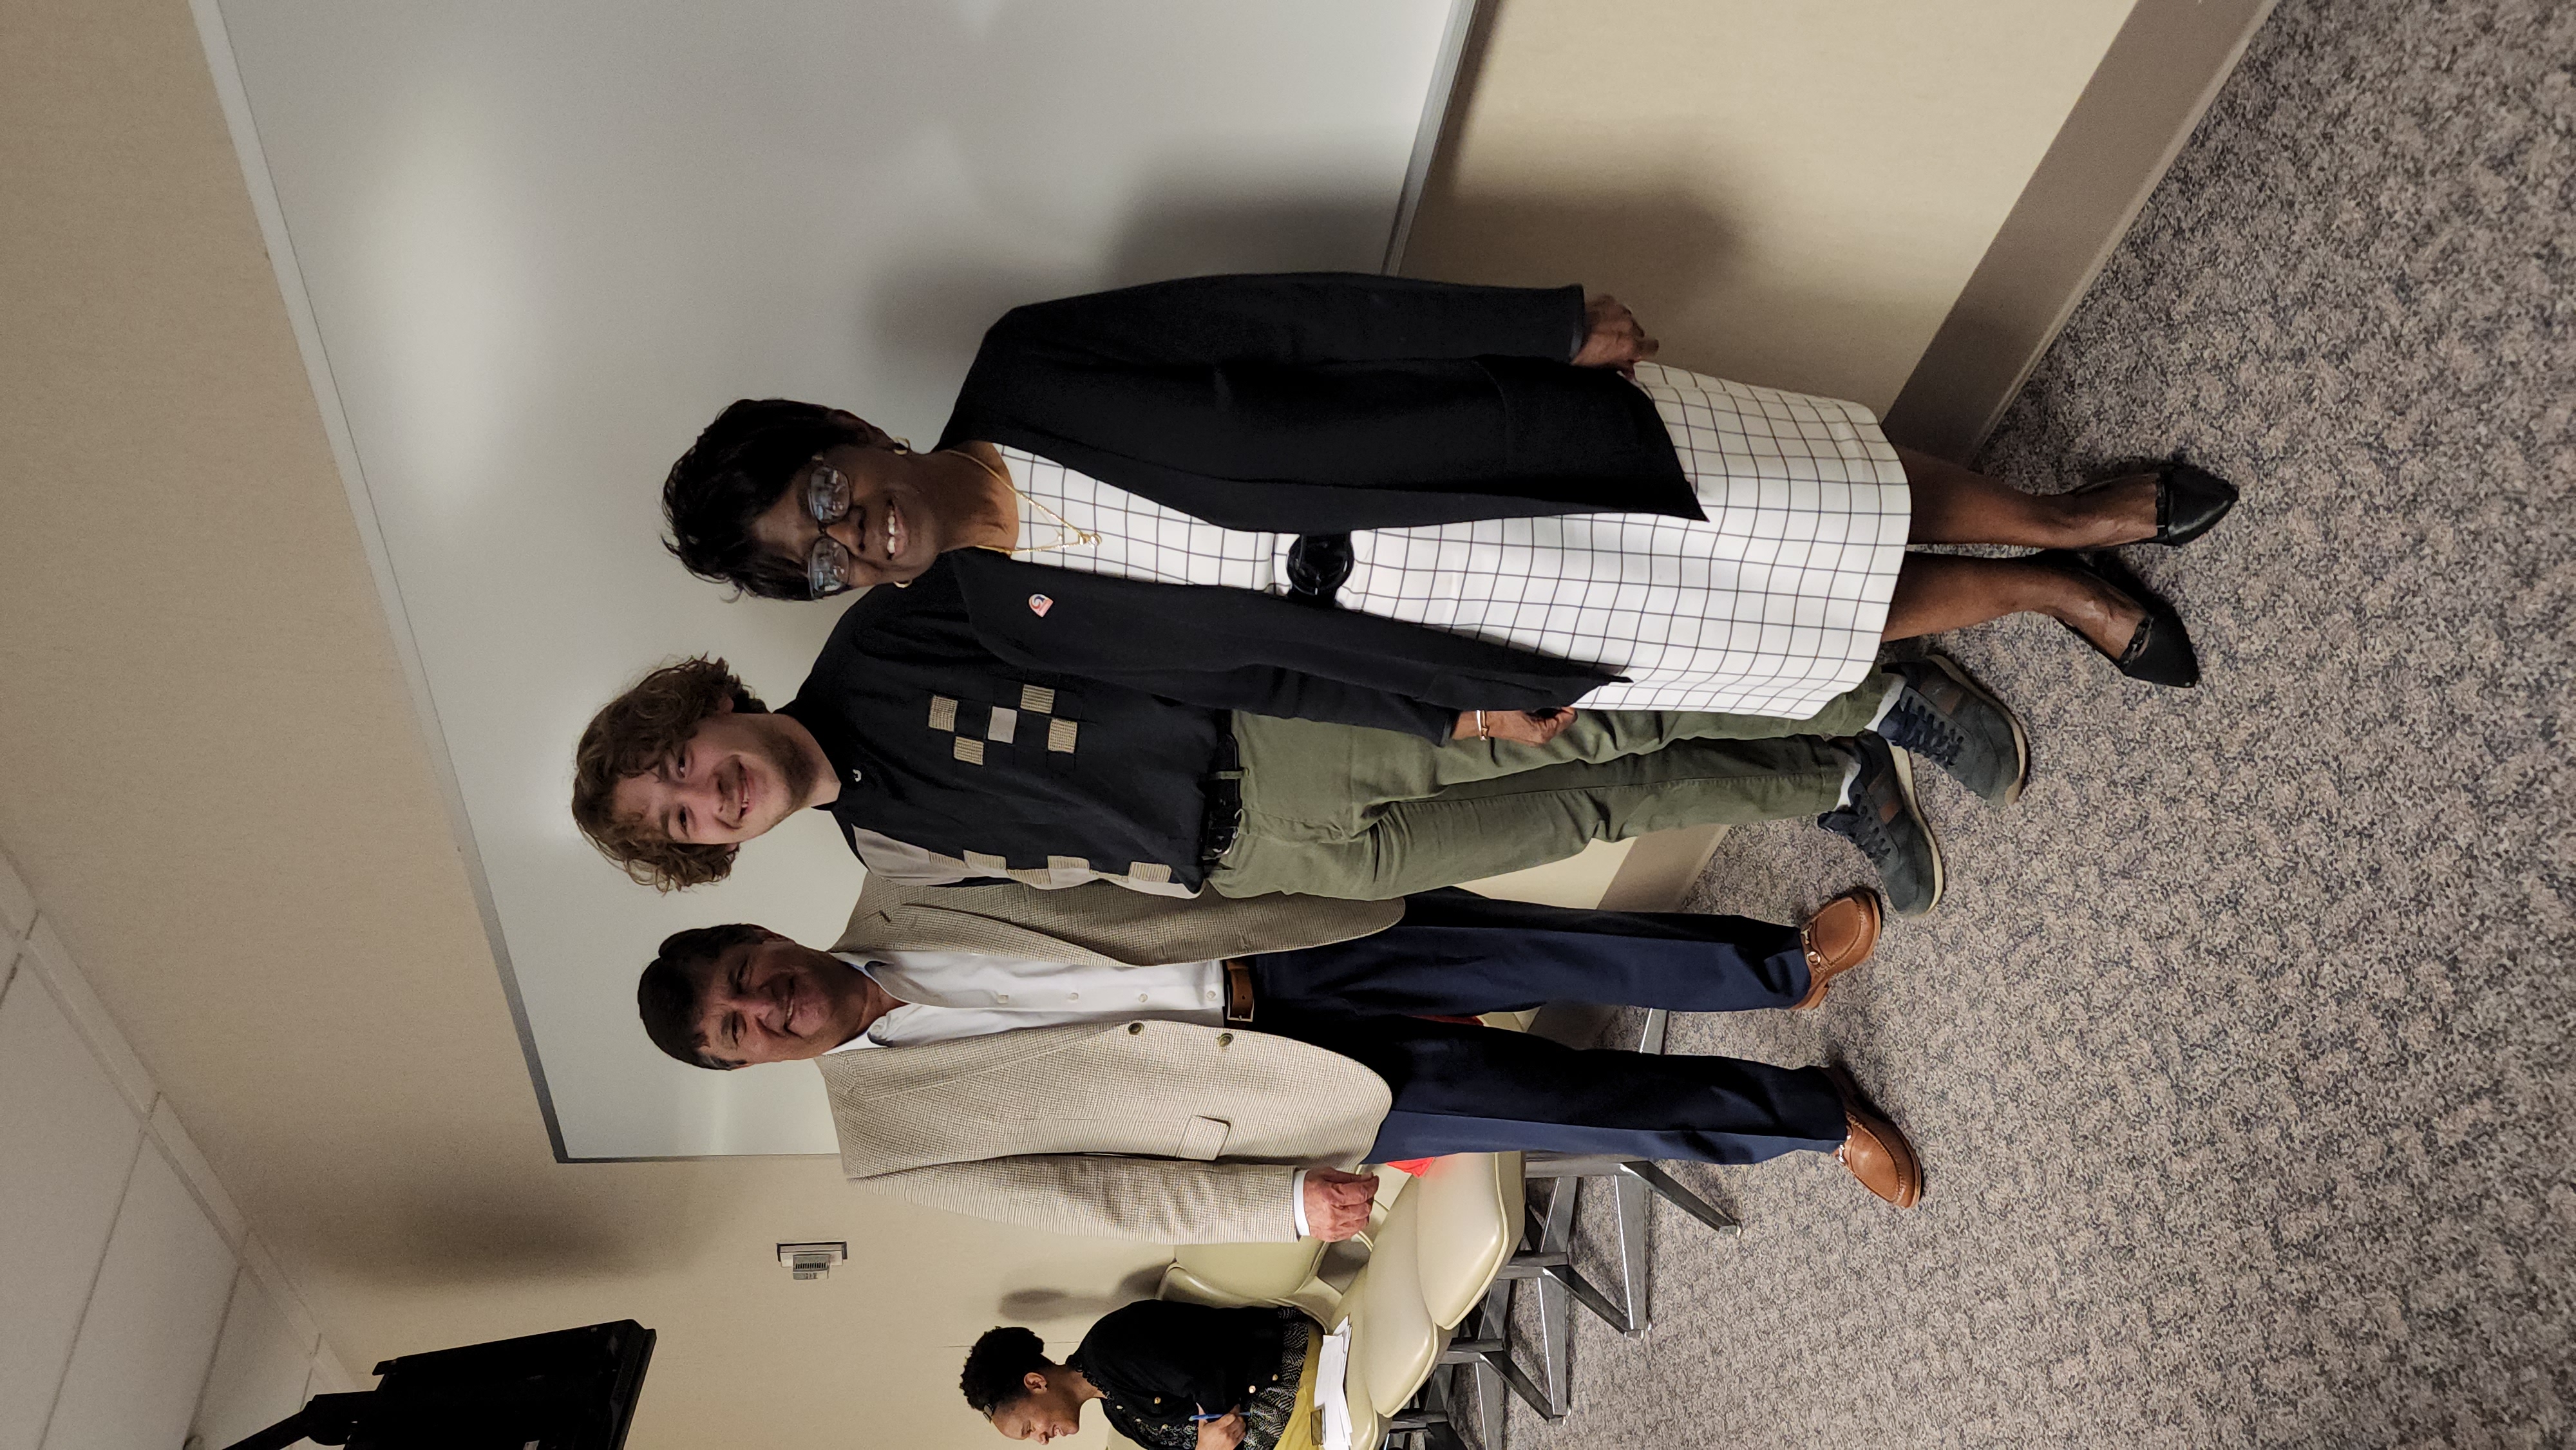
<point x="1661" y="251"/>
<point x="1046" y="1306"/>
<point x="936" y="309"/>
<point x="452" y="1222"/>
<point x="501" y="1233"/>
<point x="1676" y="259"/>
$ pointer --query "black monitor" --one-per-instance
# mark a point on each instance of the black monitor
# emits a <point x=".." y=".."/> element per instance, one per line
<point x="573" y="1389"/>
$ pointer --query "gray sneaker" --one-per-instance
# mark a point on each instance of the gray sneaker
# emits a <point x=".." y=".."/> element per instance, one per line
<point x="1887" y="826"/>
<point x="1946" y="718"/>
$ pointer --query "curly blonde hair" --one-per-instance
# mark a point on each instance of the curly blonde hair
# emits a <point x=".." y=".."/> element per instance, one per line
<point x="635" y="734"/>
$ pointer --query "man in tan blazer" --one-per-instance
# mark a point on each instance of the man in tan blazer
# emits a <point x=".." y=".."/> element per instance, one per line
<point x="1211" y="1071"/>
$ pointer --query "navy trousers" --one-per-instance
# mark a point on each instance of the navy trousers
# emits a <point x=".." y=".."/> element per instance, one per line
<point x="1461" y="1088"/>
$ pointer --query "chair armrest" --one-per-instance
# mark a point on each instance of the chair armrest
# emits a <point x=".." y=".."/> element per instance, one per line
<point x="1232" y="1274"/>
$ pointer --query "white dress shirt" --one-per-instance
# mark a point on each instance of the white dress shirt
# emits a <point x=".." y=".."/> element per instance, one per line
<point x="949" y="995"/>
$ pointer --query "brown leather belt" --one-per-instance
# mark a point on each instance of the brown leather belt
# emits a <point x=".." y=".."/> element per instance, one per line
<point x="1238" y="990"/>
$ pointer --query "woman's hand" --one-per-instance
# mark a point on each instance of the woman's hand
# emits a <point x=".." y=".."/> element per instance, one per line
<point x="1525" y="727"/>
<point x="1613" y="337"/>
<point x="1222" y="1433"/>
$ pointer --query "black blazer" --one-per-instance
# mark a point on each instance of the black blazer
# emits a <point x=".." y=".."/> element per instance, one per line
<point x="1309" y="404"/>
<point x="1159" y="1360"/>
<point x="1241" y="650"/>
<point x="1314" y="403"/>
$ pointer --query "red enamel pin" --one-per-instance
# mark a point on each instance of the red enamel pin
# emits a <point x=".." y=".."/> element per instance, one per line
<point x="1039" y="604"/>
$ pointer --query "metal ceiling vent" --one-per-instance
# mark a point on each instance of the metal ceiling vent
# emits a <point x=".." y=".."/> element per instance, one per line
<point x="812" y="1261"/>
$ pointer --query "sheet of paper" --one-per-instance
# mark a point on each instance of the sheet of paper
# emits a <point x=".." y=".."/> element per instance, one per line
<point x="1330" y="1394"/>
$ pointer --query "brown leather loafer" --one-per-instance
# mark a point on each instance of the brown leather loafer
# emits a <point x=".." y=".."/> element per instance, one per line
<point x="1840" y="936"/>
<point x="1873" y="1150"/>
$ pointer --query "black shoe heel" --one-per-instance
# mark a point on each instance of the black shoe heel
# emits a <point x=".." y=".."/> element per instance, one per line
<point x="2160" y="653"/>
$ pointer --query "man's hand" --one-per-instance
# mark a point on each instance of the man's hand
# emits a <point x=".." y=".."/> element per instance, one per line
<point x="1613" y="337"/>
<point x="1224" y="1433"/>
<point x="1337" y="1206"/>
<point x="1527" y="727"/>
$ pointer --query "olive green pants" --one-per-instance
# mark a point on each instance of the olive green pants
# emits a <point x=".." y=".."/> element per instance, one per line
<point x="1339" y="810"/>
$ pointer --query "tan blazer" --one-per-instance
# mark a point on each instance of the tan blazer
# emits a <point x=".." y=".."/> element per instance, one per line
<point x="1159" y="1131"/>
<point x="1208" y="1125"/>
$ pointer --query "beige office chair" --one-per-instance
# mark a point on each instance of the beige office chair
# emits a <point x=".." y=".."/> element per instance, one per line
<point x="1449" y="1234"/>
<point x="1434" y="1245"/>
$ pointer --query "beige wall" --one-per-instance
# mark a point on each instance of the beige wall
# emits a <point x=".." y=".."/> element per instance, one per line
<point x="214" y="787"/>
<point x="213" y="784"/>
<point x="1788" y="194"/>
<point x="2161" y="72"/>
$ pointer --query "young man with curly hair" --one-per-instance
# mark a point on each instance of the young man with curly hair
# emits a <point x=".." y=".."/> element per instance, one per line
<point x="944" y="761"/>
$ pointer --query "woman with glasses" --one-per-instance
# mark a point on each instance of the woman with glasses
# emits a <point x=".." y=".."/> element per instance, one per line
<point x="1130" y="473"/>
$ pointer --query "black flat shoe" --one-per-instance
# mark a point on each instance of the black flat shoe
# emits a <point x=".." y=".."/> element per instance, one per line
<point x="2189" y="501"/>
<point x="2160" y="652"/>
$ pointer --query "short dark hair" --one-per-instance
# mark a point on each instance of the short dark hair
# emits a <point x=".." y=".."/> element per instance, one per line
<point x="997" y="1368"/>
<point x="732" y="475"/>
<point x="668" y="994"/>
<point x="633" y="735"/>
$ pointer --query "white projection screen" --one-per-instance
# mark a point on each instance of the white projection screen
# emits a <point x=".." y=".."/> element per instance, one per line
<point x="531" y="249"/>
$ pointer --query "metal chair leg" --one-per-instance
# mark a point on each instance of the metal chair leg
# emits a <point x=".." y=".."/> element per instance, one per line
<point x="1628" y="1198"/>
<point x="1671" y="1188"/>
<point x="1493" y="1321"/>
<point x="1631" y="1181"/>
<point x="1517" y="1380"/>
<point x="1488" y="1357"/>
<point x="1551" y="1234"/>
<point x="1490" y="1411"/>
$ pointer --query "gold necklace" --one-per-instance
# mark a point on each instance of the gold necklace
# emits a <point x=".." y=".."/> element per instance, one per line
<point x="1074" y="538"/>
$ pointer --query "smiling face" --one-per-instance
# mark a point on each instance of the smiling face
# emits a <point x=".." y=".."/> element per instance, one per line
<point x="895" y="528"/>
<point x="1047" y="1411"/>
<point x="775" y="1001"/>
<point x="738" y="775"/>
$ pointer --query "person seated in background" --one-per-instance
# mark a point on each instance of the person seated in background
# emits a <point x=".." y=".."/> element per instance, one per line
<point x="1168" y="1376"/>
<point x="942" y="762"/>
<point x="1220" y="1101"/>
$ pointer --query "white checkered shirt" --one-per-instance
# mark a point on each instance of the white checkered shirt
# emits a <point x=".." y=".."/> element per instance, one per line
<point x="1772" y="606"/>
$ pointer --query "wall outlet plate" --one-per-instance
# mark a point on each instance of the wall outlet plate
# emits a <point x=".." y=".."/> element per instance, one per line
<point x="812" y="1261"/>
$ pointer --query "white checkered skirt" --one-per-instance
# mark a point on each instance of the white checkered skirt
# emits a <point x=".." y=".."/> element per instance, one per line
<point x="1771" y="606"/>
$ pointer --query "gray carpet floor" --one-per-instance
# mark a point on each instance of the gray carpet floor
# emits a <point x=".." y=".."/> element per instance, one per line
<point x="2239" y="1055"/>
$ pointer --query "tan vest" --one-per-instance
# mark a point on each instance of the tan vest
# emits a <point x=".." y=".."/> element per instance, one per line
<point x="1098" y="924"/>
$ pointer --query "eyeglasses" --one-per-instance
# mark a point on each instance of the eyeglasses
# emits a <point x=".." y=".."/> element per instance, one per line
<point x="827" y="500"/>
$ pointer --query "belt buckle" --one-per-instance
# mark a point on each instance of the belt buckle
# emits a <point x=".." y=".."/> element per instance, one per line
<point x="1317" y="566"/>
<point x="1217" y="838"/>
<point x="1221" y="821"/>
